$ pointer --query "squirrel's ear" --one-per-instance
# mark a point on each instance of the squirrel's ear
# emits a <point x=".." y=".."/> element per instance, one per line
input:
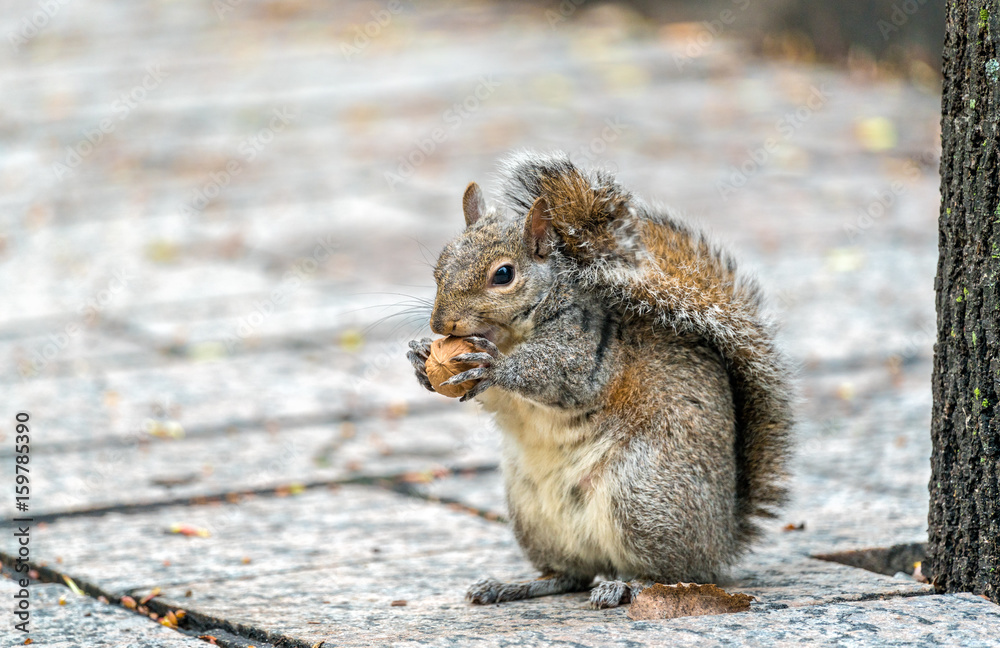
<point x="536" y="229"/>
<point x="473" y="204"/>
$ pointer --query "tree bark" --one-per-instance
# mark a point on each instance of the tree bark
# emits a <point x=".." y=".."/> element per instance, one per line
<point x="964" y="518"/>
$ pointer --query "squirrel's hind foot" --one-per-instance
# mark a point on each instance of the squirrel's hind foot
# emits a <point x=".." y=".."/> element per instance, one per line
<point x="490" y="590"/>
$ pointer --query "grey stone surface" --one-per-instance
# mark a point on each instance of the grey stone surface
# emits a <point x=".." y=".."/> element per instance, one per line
<point x="83" y="621"/>
<point x="482" y="491"/>
<point x="258" y="535"/>
<point x="216" y="391"/>
<point x="925" y="621"/>
<point x="151" y="469"/>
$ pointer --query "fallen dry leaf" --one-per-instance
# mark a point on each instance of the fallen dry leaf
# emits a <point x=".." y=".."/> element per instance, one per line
<point x="153" y="593"/>
<point x="190" y="531"/>
<point x="73" y="586"/>
<point x="794" y="527"/>
<point x="685" y="599"/>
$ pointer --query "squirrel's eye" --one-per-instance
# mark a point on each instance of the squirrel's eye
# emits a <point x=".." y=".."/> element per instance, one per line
<point x="503" y="275"/>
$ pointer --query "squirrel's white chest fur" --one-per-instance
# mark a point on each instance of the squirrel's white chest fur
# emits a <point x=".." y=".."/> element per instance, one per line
<point x="558" y="488"/>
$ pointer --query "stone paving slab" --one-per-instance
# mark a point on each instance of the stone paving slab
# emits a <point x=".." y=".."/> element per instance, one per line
<point x="82" y="350"/>
<point x="217" y="392"/>
<point x="62" y="619"/>
<point x="482" y="491"/>
<point x="153" y="470"/>
<point x="877" y="315"/>
<point x="325" y="318"/>
<point x="120" y="552"/>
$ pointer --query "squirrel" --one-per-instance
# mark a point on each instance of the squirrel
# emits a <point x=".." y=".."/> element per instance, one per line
<point x="645" y="410"/>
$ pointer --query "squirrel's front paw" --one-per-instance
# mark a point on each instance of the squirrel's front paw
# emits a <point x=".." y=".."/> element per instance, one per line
<point x="417" y="355"/>
<point x="486" y="356"/>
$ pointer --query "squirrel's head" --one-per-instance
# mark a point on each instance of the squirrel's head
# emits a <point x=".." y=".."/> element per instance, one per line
<point x="491" y="277"/>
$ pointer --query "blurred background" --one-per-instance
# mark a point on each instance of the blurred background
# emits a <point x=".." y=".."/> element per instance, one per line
<point x="218" y="218"/>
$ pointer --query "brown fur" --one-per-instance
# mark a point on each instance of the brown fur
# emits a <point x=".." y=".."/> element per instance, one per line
<point x="685" y="283"/>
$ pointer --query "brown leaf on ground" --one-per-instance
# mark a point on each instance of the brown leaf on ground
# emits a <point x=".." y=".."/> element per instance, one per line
<point x="685" y="599"/>
<point x="153" y="593"/>
<point x="189" y="530"/>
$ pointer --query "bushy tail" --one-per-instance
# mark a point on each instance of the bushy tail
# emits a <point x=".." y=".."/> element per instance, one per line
<point x="655" y="265"/>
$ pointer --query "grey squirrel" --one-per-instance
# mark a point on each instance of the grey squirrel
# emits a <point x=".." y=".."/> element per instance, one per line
<point x="645" y="411"/>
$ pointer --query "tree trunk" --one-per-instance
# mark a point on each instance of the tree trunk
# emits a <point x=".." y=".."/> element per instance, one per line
<point x="963" y="553"/>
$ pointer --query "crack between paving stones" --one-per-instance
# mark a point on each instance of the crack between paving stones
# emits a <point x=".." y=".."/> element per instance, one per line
<point x="397" y="482"/>
<point x="410" y="490"/>
<point x="194" y="624"/>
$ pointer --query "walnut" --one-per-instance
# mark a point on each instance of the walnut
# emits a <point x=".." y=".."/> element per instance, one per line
<point x="441" y="367"/>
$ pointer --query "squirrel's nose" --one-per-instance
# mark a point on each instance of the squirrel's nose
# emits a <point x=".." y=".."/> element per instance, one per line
<point x="441" y="325"/>
<point x="447" y="326"/>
